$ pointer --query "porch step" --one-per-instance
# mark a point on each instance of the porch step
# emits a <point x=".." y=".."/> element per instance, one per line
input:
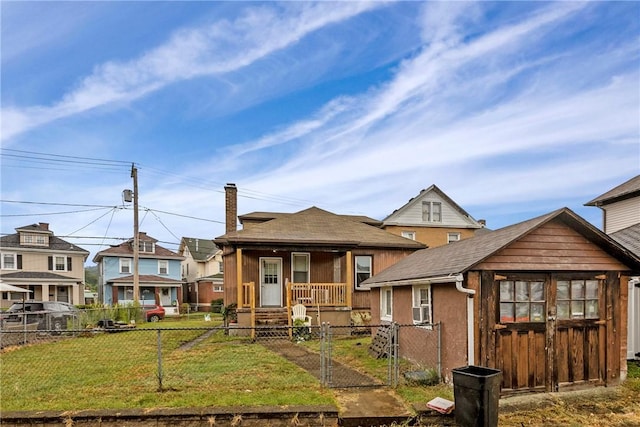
<point x="271" y="318"/>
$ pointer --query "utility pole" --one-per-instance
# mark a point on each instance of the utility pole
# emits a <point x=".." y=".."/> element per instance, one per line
<point x="136" y="237"/>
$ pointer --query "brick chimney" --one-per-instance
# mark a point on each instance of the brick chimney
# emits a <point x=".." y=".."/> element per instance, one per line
<point x="44" y="226"/>
<point x="482" y="222"/>
<point x="231" y="208"/>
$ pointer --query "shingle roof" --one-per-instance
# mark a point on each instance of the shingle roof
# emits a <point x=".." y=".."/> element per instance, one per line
<point x="628" y="189"/>
<point x="629" y="238"/>
<point x="37" y="275"/>
<point x="145" y="278"/>
<point x="126" y="249"/>
<point x="200" y="249"/>
<point x="314" y="226"/>
<point x="55" y="244"/>
<point x="461" y="256"/>
<point x="268" y="216"/>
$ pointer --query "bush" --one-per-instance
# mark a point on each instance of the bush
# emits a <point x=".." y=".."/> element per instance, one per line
<point x="216" y="305"/>
<point x="185" y="308"/>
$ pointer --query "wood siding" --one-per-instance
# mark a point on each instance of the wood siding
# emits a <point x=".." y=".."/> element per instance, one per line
<point x="552" y="247"/>
<point x="621" y="215"/>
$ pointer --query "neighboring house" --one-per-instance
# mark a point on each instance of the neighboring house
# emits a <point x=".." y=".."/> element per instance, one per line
<point x="312" y="257"/>
<point x="35" y="259"/>
<point x="541" y="300"/>
<point x="158" y="270"/>
<point x="202" y="272"/>
<point x="433" y="219"/>
<point x="621" y="220"/>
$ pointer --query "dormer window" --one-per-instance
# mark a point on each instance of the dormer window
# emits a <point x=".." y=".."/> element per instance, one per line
<point x="33" y="239"/>
<point x="145" y="246"/>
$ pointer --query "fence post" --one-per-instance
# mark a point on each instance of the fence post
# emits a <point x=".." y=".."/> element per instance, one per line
<point x="159" y="346"/>
<point x="439" y="367"/>
<point x="322" y="355"/>
<point x="329" y="356"/>
<point x="396" y="355"/>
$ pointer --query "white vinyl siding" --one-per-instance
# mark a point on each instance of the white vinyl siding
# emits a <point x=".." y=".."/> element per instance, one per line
<point x="621" y="215"/>
<point x="412" y="214"/>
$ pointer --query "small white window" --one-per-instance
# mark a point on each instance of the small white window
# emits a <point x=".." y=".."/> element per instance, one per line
<point x="421" y="304"/>
<point x="163" y="266"/>
<point x="386" y="303"/>
<point x="125" y="265"/>
<point x="300" y="267"/>
<point x="217" y="288"/>
<point x="453" y="237"/>
<point x="409" y="235"/>
<point x="9" y="261"/>
<point x="363" y="269"/>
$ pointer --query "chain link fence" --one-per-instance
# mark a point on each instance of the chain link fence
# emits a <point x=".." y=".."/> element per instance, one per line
<point x="134" y="361"/>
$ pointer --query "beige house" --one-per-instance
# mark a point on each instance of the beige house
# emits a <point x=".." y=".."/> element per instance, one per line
<point x="432" y="218"/>
<point x="621" y="220"/>
<point x="202" y="272"/>
<point x="35" y="259"/>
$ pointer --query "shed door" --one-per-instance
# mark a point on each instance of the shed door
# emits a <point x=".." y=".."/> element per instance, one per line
<point x="521" y="334"/>
<point x="549" y="333"/>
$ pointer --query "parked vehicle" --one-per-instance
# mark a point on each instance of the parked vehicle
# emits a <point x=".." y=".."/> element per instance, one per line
<point x="153" y="313"/>
<point x="49" y="315"/>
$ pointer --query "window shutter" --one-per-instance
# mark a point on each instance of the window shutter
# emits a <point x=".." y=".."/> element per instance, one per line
<point x="50" y="263"/>
<point x="68" y="263"/>
<point x="19" y="262"/>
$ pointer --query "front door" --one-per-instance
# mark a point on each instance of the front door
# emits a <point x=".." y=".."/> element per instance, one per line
<point x="549" y="333"/>
<point x="271" y="282"/>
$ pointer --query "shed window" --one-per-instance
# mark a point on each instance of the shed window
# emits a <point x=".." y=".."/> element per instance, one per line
<point x="521" y="301"/>
<point x="577" y="299"/>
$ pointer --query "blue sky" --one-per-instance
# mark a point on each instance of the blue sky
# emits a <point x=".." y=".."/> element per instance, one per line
<point x="513" y="109"/>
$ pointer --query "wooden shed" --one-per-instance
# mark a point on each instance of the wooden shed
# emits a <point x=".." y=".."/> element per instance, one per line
<point x="544" y="301"/>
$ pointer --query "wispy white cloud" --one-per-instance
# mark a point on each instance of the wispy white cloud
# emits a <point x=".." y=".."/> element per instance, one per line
<point x="219" y="48"/>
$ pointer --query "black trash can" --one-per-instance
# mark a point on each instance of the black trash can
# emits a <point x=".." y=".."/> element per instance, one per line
<point x="476" y="392"/>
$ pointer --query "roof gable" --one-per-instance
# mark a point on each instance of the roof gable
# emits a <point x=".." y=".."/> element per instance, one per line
<point x="315" y="226"/>
<point x="126" y="249"/>
<point x="626" y="190"/>
<point x="462" y="256"/>
<point x="199" y="249"/>
<point x="452" y="214"/>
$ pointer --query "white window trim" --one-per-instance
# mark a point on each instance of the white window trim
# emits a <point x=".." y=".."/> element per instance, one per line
<point x="408" y="235"/>
<point x="306" y="255"/>
<point x="415" y="296"/>
<point x="160" y="263"/>
<point x="453" y="234"/>
<point x="383" y="305"/>
<point x="355" y="269"/>
<point x="431" y="204"/>
<point x="120" y="266"/>
<point x="65" y="262"/>
<point x="15" y="260"/>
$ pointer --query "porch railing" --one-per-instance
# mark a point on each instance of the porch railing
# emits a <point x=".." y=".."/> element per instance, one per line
<point x="318" y="294"/>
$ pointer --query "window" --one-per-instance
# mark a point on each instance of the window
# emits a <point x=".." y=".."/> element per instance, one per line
<point x="217" y="288"/>
<point x="163" y="266"/>
<point x="363" y="269"/>
<point x="144" y="246"/>
<point x="577" y="299"/>
<point x="432" y="211"/>
<point x="125" y="265"/>
<point x="521" y="301"/>
<point x="300" y="267"/>
<point x="453" y="237"/>
<point x="59" y="263"/>
<point x="421" y="304"/>
<point x="27" y="238"/>
<point x="32" y="239"/>
<point x="40" y="240"/>
<point x="409" y="235"/>
<point x="9" y="261"/>
<point x="221" y="266"/>
<point x="386" y="303"/>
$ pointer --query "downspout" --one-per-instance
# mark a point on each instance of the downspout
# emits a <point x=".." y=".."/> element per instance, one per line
<point x="470" y="332"/>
